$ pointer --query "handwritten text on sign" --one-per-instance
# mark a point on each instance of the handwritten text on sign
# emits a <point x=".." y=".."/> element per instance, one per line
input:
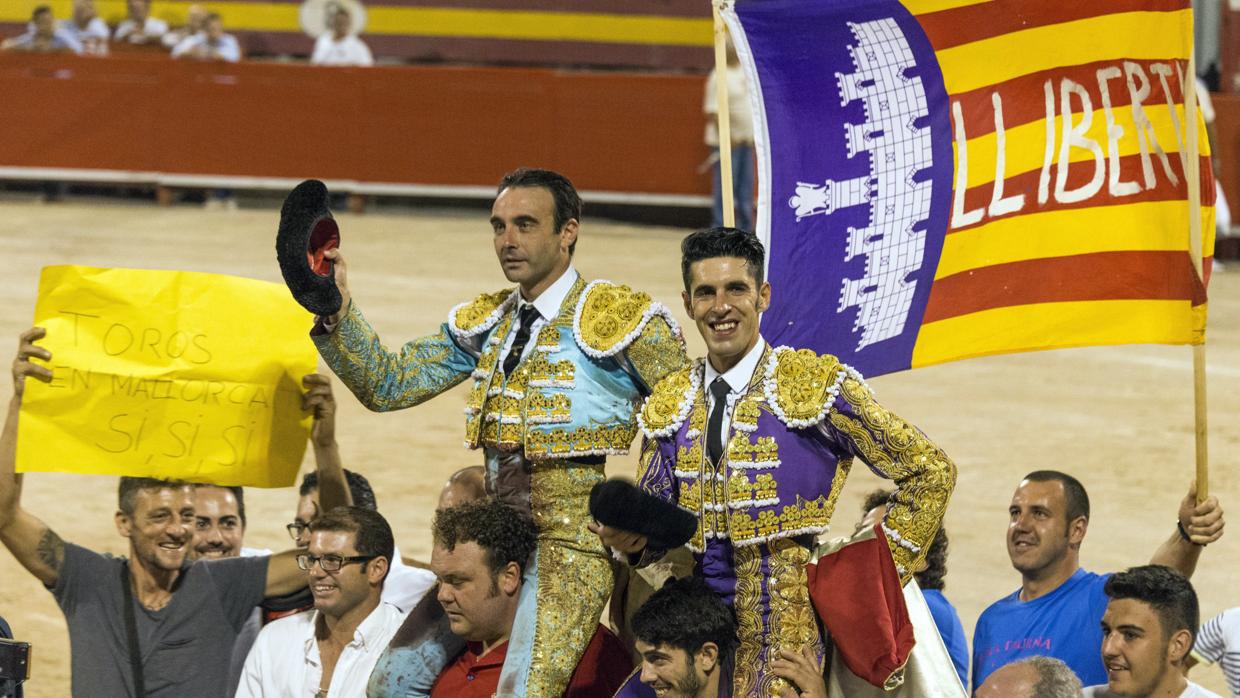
<point x="168" y="374"/>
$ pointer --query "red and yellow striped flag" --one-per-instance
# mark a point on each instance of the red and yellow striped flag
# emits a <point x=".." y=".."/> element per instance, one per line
<point x="979" y="177"/>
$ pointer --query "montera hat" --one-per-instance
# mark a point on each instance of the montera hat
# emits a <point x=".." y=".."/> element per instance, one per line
<point x="620" y="504"/>
<point x="307" y="230"/>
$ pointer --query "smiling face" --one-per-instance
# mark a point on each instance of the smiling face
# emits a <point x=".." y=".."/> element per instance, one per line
<point x="337" y="593"/>
<point x="1040" y="539"/>
<point x="672" y="672"/>
<point x="161" y="527"/>
<point x="530" y="250"/>
<point x="218" y="530"/>
<point x="480" y="605"/>
<point x="1140" y="659"/>
<point x="724" y="300"/>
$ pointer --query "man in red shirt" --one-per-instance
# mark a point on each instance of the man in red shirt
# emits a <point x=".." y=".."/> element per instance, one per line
<point x="480" y="553"/>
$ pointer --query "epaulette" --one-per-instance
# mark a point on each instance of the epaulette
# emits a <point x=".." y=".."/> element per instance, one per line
<point x="479" y="315"/>
<point x="668" y="405"/>
<point x="801" y="385"/>
<point x="610" y="316"/>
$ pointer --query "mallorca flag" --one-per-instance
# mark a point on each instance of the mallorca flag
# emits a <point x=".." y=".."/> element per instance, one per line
<point x="944" y="179"/>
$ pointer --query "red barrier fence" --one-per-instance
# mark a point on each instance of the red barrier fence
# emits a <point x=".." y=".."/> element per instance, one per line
<point x="386" y="130"/>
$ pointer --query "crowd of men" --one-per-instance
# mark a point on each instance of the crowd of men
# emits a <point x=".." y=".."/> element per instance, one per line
<point x="753" y="441"/>
<point x="202" y="37"/>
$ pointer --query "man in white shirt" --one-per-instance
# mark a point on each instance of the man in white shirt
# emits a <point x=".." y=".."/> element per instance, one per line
<point x="1147" y="633"/>
<point x="86" y="26"/>
<point x="340" y="46"/>
<point x="1219" y="643"/>
<point x="140" y="27"/>
<point x="211" y="44"/>
<point x="43" y="36"/>
<point x="331" y="650"/>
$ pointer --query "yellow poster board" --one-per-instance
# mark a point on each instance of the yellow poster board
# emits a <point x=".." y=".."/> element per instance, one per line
<point x="177" y="375"/>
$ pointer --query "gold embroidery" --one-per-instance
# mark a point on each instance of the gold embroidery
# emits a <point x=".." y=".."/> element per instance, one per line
<point x="664" y="407"/>
<point x="746" y="413"/>
<point x="610" y="315"/>
<point x="792" y="623"/>
<point x="557" y="443"/>
<point x="574" y="573"/>
<point x="924" y="475"/>
<point x="473" y="315"/>
<point x="555" y="408"/>
<point x="749" y="628"/>
<point x="658" y="351"/>
<point x="689" y="460"/>
<point x="801" y="382"/>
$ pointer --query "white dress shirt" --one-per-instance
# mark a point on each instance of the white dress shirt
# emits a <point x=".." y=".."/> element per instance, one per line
<point x="152" y="29"/>
<point x="738" y="378"/>
<point x="548" y="306"/>
<point x="347" y="51"/>
<point x="227" y="49"/>
<point x="285" y="661"/>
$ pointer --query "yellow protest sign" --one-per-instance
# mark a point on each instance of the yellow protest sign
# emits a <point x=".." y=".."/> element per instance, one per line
<point x="168" y="374"/>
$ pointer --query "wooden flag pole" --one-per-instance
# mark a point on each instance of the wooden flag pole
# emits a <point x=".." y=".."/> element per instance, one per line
<point x="1192" y="177"/>
<point x="724" y="118"/>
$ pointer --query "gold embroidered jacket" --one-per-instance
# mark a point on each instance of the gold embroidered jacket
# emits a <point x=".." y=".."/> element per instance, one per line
<point x="574" y="394"/>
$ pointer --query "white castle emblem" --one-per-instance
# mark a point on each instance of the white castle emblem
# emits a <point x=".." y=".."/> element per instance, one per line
<point x="893" y="241"/>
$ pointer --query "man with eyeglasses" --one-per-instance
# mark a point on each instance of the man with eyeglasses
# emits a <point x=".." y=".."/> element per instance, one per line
<point x="331" y="650"/>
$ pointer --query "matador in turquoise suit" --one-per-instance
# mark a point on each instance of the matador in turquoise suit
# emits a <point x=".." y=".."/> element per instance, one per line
<point x="558" y="367"/>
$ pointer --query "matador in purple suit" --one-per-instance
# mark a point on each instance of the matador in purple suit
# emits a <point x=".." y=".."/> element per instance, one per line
<point x="757" y="442"/>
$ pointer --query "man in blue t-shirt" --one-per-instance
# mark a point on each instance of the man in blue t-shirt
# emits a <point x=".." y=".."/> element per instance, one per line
<point x="1058" y="609"/>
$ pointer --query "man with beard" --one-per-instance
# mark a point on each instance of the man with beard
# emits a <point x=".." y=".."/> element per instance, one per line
<point x="1057" y="610"/>
<point x="558" y="366"/>
<point x="1147" y="634"/>
<point x="152" y="624"/>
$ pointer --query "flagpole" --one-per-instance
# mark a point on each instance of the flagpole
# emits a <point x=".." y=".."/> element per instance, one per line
<point x="1192" y="177"/>
<point x="724" y="118"/>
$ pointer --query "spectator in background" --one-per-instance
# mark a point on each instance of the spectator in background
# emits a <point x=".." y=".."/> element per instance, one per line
<point x="406" y="584"/>
<point x="195" y="22"/>
<point x="86" y="26"/>
<point x="1147" y="634"/>
<point x="211" y="44"/>
<point x="1058" y="607"/>
<point x="140" y="27"/>
<point x="1032" y="677"/>
<point x="339" y="45"/>
<point x="930" y="579"/>
<point x="43" y="36"/>
<point x="740" y="122"/>
<point x="480" y="553"/>
<point x="331" y="650"/>
<point x="1219" y="643"/>
<point x="465" y="485"/>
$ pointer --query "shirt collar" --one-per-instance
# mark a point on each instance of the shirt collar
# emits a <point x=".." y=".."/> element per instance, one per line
<point x="548" y="302"/>
<point x="739" y="376"/>
<point x="367" y="631"/>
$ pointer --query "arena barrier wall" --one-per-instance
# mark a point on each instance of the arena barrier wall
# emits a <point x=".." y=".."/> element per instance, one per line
<point x="401" y="130"/>
<point x="649" y="34"/>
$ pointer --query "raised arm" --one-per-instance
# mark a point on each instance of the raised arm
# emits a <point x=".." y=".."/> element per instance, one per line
<point x="333" y="487"/>
<point x="895" y="449"/>
<point x="1197" y="525"/>
<point x="384" y="380"/>
<point x="35" y="546"/>
<point x="283" y="575"/>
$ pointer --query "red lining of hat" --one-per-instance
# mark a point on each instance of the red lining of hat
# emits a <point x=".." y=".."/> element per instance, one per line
<point x="324" y="237"/>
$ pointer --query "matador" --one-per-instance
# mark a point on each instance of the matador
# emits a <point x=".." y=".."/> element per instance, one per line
<point x="757" y="442"/>
<point x="558" y="368"/>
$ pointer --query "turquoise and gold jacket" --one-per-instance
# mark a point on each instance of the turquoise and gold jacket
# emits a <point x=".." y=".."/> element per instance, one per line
<point x="575" y="393"/>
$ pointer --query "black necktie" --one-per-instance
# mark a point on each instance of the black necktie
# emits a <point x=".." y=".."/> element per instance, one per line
<point x="714" y="429"/>
<point x="525" y="321"/>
